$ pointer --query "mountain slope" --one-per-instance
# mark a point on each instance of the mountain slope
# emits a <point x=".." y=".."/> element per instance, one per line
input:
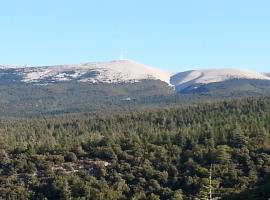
<point x="78" y="97"/>
<point x="186" y="79"/>
<point x="103" y="72"/>
<point x="122" y="84"/>
<point x="266" y="74"/>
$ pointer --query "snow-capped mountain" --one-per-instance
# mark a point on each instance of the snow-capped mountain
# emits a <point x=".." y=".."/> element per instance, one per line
<point x="106" y="72"/>
<point x="29" y="90"/>
<point x="120" y="71"/>
<point x="201" y="77"/>
<point x="266" y="74"/>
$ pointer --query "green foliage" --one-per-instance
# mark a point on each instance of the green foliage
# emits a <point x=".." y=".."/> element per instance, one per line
<point x="20" y="100"/>
<point x="33" y="100"/>
<point x="146" y="154"/>
<point x="70" y="157"/>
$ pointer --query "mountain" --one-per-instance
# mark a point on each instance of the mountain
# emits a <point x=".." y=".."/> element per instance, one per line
<point x="119" y="71"/>
<point x="197" y="78"/>
<point x="120" y="84"/>
<point x="266" y="74"/>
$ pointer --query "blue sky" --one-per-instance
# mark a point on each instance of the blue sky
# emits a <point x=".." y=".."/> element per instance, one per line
<point x="171" y="34"/>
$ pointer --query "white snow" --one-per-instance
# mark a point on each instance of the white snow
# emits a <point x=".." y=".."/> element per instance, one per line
<point x="14" y="66"/>
<point x="188" y="78"/>
<point x="109" y="72"/>
<point x="266" y="74"/>
<point x="31" y="76"/>
<point x="127" y="71"/>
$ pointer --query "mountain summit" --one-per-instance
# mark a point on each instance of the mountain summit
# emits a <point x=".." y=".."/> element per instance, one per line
<point x="121" y="71"/>
<point x="201" y="77"/>
<point x="125" y="84"/>
<point x="101" y="72"/>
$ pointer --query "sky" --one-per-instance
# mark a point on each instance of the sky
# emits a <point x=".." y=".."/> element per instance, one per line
<point x="174" y="35"/>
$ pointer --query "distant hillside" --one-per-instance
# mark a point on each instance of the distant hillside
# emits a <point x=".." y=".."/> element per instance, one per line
<point x="73" y="97"/>
<point x="186" y="79"/>
<point x="122" y="84"/>
<point x="267" y="74"/>
<point x="233" y="88"/>
<point x="118" y="71"/>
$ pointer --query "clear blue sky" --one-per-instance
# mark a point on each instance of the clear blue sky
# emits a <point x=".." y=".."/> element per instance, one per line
<point x="171" y="34"/>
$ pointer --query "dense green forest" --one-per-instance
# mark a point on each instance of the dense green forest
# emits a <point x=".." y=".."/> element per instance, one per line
<point x="28" y="100"/>
<point x="174" y="153"/>
<point x="24" y="100"/>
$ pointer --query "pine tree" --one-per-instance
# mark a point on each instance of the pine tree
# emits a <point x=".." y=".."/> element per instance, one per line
<point x="207" y="192"/>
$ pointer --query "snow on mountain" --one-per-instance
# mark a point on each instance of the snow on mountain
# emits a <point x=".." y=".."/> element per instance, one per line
<point x="14" y="66"/>
<point x="120" y="71"/>
<point x="266" y="74"/>
<point x="126" y="70"/>
<point x="185" y="79"/>
<point x="109" y="72"/>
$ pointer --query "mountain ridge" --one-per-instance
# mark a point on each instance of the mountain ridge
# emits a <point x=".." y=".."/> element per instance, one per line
<point x="106" y="72"/>
<point x="120" y="71"/>
<point x="185" y="79"/>
<point x="124" y="84"/>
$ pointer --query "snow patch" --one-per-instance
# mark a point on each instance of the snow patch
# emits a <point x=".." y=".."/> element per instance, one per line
<point x="108" y="72"/>
<point x="188" y="78"/>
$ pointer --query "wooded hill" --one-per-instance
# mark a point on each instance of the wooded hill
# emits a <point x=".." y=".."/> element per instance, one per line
<point x="31" y="100"/>
<point x="150" y="154"/>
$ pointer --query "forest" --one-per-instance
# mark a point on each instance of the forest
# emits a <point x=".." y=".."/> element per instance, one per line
<point x="28" y="100"/>
<point x="217" y="150"/>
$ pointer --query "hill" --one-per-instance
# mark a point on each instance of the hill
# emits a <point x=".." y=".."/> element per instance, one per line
<point x="151" y="154"/>
<point x="193" y="78"/>
<point x="117" y="85"/>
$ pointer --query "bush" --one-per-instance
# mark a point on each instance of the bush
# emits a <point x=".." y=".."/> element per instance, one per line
<point x="70" y="157"/>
